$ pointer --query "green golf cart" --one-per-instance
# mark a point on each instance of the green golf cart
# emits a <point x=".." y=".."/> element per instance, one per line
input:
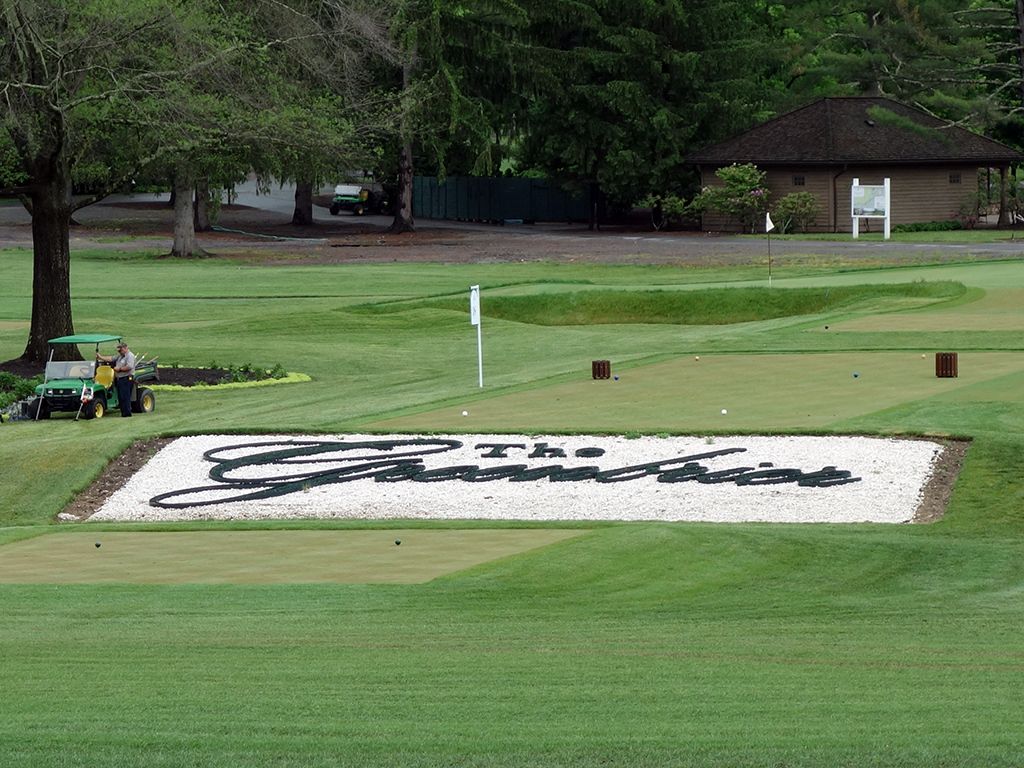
<point x="86" y="387"/>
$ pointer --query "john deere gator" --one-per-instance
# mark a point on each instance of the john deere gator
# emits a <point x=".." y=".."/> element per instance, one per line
<point x="85" y="387"/>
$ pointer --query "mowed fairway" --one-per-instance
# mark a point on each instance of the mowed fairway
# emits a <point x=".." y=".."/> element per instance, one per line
<point x="766" y="392"/>
<point x="261" y="557"/>
<point x="607" y="646"/>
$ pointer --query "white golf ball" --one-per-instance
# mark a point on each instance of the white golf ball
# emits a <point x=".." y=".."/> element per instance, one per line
<point x="697" y="357"/>
<point x="724" y="411"/>
<point x="465" y="413"/>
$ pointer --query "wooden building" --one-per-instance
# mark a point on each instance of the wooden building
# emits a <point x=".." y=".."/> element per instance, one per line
<point x="934" y="168"/>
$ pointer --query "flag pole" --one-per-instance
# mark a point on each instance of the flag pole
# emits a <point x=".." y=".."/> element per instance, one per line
<point x="474" y="318"/>
<point x="768" y="227"/>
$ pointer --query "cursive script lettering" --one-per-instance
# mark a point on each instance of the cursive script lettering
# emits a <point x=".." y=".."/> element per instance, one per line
<point x="324" y="462"/>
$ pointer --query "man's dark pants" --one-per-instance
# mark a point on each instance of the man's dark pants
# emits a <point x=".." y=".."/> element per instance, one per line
<point x="124" y="394"/>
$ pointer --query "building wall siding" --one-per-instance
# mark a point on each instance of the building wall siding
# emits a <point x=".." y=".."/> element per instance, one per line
<point x="919" y="193"/>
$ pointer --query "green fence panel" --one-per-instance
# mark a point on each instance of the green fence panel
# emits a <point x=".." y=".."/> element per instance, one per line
<point x="477" y="198"/>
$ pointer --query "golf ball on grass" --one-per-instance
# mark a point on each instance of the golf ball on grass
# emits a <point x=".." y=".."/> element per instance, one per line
<point x="465" y="413"/>
<point x="696" y="357"/>
<point x="724" y="411"/>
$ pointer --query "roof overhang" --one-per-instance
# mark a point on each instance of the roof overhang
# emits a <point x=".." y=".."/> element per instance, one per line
<point x="84" y="338"/>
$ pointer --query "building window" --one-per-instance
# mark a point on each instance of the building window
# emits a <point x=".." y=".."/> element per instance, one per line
<point x="954" y="178"/>
<point x="799" y="181"/>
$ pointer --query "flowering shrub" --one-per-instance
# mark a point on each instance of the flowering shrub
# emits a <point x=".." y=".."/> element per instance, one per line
<point x="796" y="212"/>
<point x="741" y="195"/>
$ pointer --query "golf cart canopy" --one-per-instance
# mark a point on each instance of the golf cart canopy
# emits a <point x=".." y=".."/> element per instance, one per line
<point x="84" y="338"/>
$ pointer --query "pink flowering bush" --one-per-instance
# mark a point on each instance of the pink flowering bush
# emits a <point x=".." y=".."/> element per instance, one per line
<point x="741" y="195"/>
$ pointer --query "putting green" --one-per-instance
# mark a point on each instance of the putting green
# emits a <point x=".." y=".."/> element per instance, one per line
<point x="262" y="557"/>
<point x="759" y="393"/>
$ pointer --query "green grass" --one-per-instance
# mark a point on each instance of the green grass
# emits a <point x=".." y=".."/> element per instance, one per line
<point x="967" y="236"/>
<point x="261" y="557"/>
<point x="628" y="645"/>
<point x="722" y="306"/>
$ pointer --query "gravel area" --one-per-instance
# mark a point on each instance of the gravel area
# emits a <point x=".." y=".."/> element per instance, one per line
<point x="722" y="479"/>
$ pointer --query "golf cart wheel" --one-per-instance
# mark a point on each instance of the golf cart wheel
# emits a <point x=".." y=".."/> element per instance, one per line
<point x="335" y="209"/>
<point x="358" y="210"/>
<point x="95" y="408"/>
<point x="41" y="410"/>
<point x="145" y="401"/>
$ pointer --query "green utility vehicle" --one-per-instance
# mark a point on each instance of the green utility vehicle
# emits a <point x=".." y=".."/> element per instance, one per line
<point x="86" y="387"/>
<point x="359" y="200"/>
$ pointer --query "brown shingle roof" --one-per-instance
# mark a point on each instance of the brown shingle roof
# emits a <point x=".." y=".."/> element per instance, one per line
<point x="856" y="130"/>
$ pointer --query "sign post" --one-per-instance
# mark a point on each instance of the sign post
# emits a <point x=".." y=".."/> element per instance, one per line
<point x="474" y="318"/>
<point x="870" y="201"/>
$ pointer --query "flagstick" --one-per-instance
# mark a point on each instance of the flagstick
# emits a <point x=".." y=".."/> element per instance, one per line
<point x="474" y="318"/>
<point x="769" y="259"/>
<point x="480" y="354"/>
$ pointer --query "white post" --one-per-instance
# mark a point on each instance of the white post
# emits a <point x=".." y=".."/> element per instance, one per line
<point x="856" y="220"/>
<point x="887" y="207"/>
<point x="42" y="395"/>
<point x="474" y="318"/>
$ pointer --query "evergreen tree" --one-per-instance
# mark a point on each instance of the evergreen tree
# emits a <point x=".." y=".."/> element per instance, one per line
<point x="625" y="89"/>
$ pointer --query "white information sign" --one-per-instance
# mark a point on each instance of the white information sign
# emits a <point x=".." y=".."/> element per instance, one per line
<point x="869" y="201"/>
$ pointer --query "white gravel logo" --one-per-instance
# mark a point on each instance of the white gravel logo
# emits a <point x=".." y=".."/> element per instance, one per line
<point x="793" y="479"/>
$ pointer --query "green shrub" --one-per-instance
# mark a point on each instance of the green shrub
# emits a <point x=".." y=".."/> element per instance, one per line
<point x="741" y="195"/>
<point x="796" y="212"/>
<point x="929" y="226"/>
<point x="971" y="208"/>
<point x="246" y="372"/>
<point x="667" y="211"/>
<point x="14" y="388"/>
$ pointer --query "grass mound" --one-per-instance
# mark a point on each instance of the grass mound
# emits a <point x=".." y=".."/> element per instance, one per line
<point x="715" y="306"/>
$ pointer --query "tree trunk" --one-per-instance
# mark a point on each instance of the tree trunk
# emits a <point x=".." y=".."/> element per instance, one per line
<point x="201" y="206"/>
<point x="1004" y="211"/>
<point x="403" y="221"/>
<point x="597" y="206"/>
<point x="303" y="214"/>
<point x="184" y="224"/>
<point x="51" y="262"/>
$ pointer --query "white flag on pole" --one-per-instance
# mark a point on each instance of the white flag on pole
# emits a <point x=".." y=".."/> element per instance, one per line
<point x="474" y="318"/>
<point x="474" y="304"/>
<point x="768" y="224"/>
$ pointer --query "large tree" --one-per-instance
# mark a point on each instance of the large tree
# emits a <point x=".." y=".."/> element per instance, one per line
<point x="72" y="73"/>
<point x="624" y="89"/>
<point x="330" y="107"/>
<point x="460" y="65"/>
<point x="962" y="61"/>
<point x="107" y="89"/>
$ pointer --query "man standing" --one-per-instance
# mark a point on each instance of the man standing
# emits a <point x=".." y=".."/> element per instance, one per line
<point x="123" y="364"/>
